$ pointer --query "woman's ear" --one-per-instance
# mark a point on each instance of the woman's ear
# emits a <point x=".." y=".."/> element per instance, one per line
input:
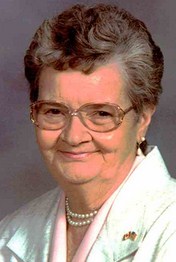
<point x="144" y="122"/>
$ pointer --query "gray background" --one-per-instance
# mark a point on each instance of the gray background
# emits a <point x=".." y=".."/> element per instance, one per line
<point x="22" y="173"/>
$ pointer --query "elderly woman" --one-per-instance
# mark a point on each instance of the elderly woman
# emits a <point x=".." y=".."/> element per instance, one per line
<point x="95" y="79"/>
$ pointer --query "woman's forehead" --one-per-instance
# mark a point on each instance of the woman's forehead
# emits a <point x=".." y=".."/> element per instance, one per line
<point x="104" y="84"/>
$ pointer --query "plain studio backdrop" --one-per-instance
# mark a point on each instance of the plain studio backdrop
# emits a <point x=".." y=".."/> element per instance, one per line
<point x="23" y="175"/>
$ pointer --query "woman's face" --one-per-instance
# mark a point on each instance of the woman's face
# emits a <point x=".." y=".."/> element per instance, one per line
<point x="75" y="154"/>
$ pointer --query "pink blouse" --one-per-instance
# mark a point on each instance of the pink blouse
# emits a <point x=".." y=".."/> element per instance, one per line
<point x="59" y="246"/>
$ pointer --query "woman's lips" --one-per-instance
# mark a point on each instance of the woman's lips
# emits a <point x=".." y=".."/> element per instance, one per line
<point x="76" y="155"/>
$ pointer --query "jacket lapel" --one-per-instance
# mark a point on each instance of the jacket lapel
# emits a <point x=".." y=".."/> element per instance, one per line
<point x="122" y="233"/>
<point x="128" y="219"/>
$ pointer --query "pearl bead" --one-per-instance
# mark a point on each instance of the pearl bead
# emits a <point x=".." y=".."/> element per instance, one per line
<point x="70" y="214"/>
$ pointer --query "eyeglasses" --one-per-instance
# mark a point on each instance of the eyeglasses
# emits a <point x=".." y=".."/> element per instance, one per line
<point x="103" y="117"/>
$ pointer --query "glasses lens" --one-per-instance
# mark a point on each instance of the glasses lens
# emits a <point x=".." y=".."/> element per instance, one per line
<point x="50" y="116"/>
<point x="102" y="117"/>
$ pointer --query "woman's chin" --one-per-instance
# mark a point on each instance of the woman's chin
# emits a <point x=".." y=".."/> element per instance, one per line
<point x="74" y="174"/>
<point x="76" y="171"/>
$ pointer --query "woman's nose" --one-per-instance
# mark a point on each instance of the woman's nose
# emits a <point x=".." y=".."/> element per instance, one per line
<point x="75" y="132"/>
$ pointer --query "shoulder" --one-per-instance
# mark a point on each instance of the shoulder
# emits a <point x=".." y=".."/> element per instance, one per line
<point x="161" y="205"/>
<point x="36" y="209"/>
<point x="153" y="181"/>
<point x="160" y="237"/>
<point x="159" y="199"/>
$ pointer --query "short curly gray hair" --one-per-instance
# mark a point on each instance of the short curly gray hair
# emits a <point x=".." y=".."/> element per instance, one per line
<point x="83" y="38"/>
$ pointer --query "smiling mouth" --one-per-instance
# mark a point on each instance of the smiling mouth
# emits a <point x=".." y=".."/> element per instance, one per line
<point x="76" y="155"/>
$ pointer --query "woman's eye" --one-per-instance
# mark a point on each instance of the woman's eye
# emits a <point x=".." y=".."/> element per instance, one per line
<point x="52" y="111"/>
<point x="102" y="114"/>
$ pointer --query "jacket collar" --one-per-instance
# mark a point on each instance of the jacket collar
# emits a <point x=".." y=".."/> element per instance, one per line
<point x="130" y="211"/>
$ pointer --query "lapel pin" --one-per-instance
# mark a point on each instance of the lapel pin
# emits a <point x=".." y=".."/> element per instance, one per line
<point x="130" y="235"/>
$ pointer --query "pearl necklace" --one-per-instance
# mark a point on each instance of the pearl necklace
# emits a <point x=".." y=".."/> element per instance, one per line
<point x="88" y="218"/>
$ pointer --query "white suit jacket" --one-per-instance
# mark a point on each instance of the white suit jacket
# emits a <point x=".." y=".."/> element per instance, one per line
<point x="145" y="205"/>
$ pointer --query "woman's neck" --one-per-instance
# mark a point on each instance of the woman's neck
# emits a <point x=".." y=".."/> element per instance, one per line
<point x="91" y="196"/>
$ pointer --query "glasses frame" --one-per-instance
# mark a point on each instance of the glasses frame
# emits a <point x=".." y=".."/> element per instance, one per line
<point x="76" y="112"/>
